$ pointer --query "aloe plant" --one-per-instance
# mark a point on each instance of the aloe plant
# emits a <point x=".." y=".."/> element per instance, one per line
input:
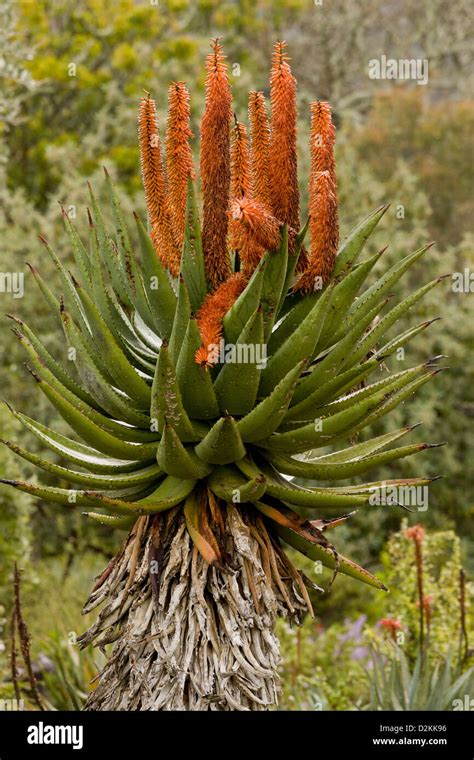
<point x="200" y="374"/>
<point x="396" y="685"/>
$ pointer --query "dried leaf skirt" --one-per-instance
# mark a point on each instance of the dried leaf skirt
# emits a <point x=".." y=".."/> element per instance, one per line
<point x="190" y="636"/>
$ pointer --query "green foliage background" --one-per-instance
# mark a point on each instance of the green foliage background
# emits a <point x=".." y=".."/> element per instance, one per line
<point x="71" y="75"/>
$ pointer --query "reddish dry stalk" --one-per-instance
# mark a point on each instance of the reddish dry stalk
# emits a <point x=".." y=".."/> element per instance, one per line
<point x="417" y="534"/>
<point x="24" y="638"/>
<point x="283" y="156"/>
<point x="155" y="185"/>
<point x="260" y="147"/>
<point x="179" y="159"/>
<point x="215" y="167"/>
<point x="211" y="313"/>
<point x="13" y="657"/>
<point x="462" y="610"/>
<point x="324" y="234"/>
<point x="419" y="580"/>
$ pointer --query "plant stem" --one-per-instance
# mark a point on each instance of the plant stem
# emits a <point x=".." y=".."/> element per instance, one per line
<point x="25" y="639"/>
<point x="462" y="608"/>
<point x="419" y="576"/>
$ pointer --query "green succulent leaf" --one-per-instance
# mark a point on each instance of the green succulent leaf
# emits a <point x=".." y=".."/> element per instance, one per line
<point x="222" y="444"/>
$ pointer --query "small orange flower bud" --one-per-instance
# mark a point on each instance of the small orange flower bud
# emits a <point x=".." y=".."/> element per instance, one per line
<point x="391" y="626"/>
<point x="416" y="532"/>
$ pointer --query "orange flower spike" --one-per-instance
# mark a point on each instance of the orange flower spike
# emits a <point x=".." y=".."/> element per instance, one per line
<point x="240" y="188"/>
<point x="179" y="159"/>
<point x="283" y="156"/>
<point x="240" y="177"/>
<point x="260" y="151"/>
<point x="215" y="167"/>
<point x="322" y="138"/>
<point x="153" y="174"/>
<point x="255" y="223"/>
<point x="211" y="314"/>
<point x="324" y="223"/>
<point x="155" y="185"/>
<point x="324" y="234"/>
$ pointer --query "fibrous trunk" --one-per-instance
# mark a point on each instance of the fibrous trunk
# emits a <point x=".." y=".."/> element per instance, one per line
<point x="189" y="635"/>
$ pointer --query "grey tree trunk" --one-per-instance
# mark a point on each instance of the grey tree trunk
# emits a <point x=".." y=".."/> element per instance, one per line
<point x="190" y="636"/>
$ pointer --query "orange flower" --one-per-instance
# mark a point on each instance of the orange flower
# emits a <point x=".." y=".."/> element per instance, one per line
<point x="211" y="313"/>
<point x="427" y="602"/>
<point x="260" y="150"/>
<point x="255" y="224"/>
<point x="283" y="158"/>
<point x="179" y="159"/>
<point x="241" y="179"/>
<point x="324" y="225"/>
<point x="155" y="185"/>
<point x="215" y="167"/>
<point x="391" y="626"/>
<point x="416" y="532"/>
<point x="153" y="173"/>
<point x="241" y="186"/>
<point x="324" y="234"/>
<point x="322" y="139"/>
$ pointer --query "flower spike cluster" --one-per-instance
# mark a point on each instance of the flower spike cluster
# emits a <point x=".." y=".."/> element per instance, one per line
<point x="249" y="185"/>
